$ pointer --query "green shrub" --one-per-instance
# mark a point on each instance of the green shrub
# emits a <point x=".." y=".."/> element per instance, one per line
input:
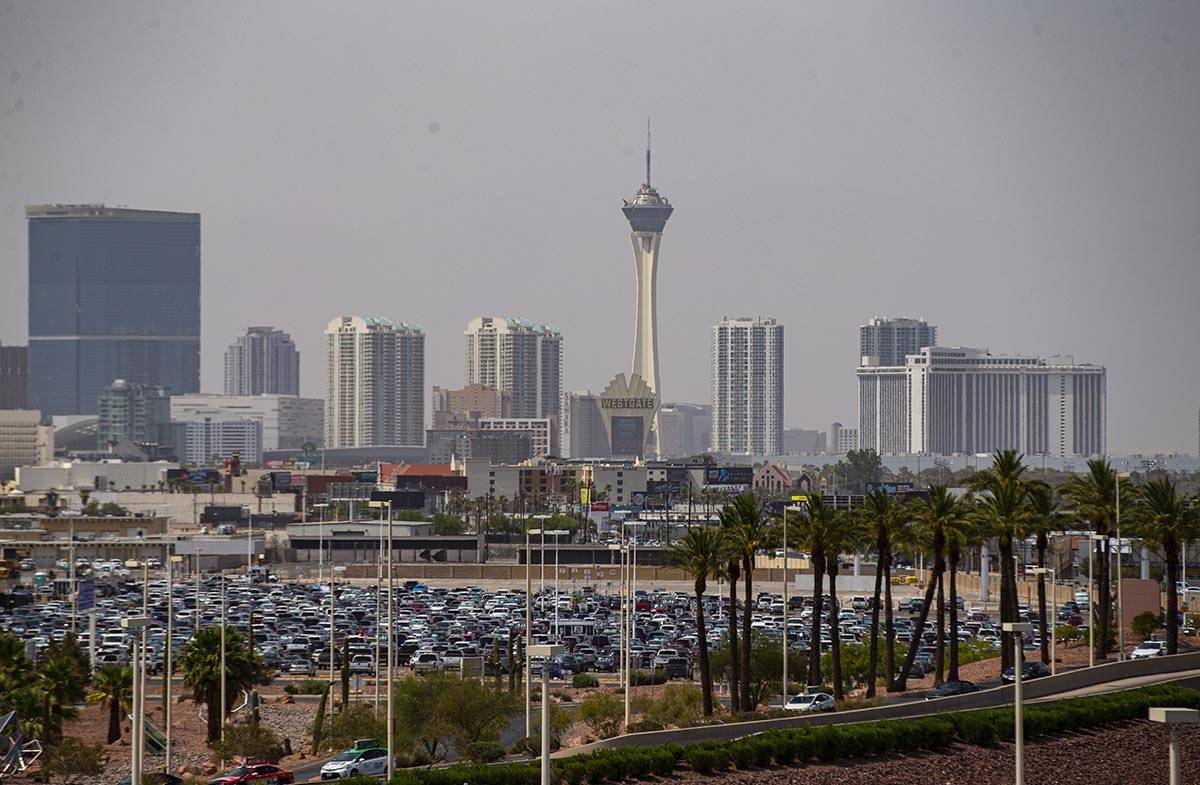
<point x="678" y="705"/>
<point x="705" y="759"/>
<point x="582" y="681"/>
<point x="307" y="687"/>
<point x="644" y="679"/>
<point x="603" y="713"/>
<point x="644" y="726"/>
<point x="483" y="751"/>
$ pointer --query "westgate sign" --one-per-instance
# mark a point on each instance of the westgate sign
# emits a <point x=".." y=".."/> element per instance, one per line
<point x="629" y="403"/>
<point x="628" y="408"/>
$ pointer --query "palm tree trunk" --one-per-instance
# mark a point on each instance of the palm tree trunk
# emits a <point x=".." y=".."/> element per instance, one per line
<point x="1043" y="634"/>
<point x="835" y="654"/>
<point x="702" y="639"/>
<point x="748" y="582"/>
<point x="873" y="657"/>
<point x="1172" y="558"/>
<point x="735" y="655"/>
<point x="814" y="645"/>
<point x="955" y="556"/>
<point x="940" y="657"/>
<point x="1104" y="604"/>
<point x="213" y="701"/>
<point x="918" y="632"/>
<point x="1006" y="605"/>
<point x="114" y="720"/>
<point x="889" y="627"/>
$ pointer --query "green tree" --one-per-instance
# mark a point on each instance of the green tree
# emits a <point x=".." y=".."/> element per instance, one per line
<point x="679" y="704"/>
<point x="1165" y="520"/>
<point x="1001" y="511"/>
<point x="746" y="534"/>
<point x="883" y="517"/>
<point x="844" y="536"/>
<point x="470" y="712"/>
<point x="701" y="553"/>
<point x="859" y="468"/>
<point x="200" y="665"/>
<point x="71" y="760"/>
<point x="357" y="721"/>
<point x="1043" y="510"/>
<point x="416" y="715"/>
<point x="112" y="689"/>
<point x="1145" y="624"/>
<point x="733" y="571"/>
<point x="249" y="739"/>
<point x="816" y="530"/>
<point x="603" y="712"/>
<point x="1094" y="498"/>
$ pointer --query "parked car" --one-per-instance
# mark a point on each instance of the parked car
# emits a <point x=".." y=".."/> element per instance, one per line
<point x="811" y="702"/>
<point x="1147" y="649"/>
<point x="365" y="758"/>
<point x="265" y="773"/>
<point x="952" y="688"/>
<point x="1030" y="669"/>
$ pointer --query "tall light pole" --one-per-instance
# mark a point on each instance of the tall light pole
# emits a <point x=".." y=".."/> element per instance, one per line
<point x="555" y="533"/>
<point x="391" y="657"/>
<point x="224" y="702"/>
<point x="139" y="670"/>
<point x="1120" y="604"/>
<point x="1173" y="718"/>
<point x="529" y="622"/>
<point x="332" y="627"/>
<point x="1018" y="630"/>
<point x="168" y="670"/>
<point x="136" y="624"/>
<point x="547" y="653"/>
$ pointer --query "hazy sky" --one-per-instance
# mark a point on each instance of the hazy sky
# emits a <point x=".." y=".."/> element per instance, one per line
<point x="1026" y="176"/>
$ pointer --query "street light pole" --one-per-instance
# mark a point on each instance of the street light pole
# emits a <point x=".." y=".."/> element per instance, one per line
<point x="136" y="623"/>
<point x="547" y="653"/>
<point x="224" y="702"/>
<point x="1173" y="718"/>
<point x="1017" y="630"/>
<point x="1053" y="616"/>
<point x="169" y="667"/>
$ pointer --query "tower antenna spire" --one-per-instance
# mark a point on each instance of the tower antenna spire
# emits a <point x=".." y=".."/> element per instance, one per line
<point x="647" y="152"/>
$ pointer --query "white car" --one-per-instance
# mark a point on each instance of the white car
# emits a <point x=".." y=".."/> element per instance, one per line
<point x="1147" y="649"/>
<point x="364" y="759"/>
<point x="812" y="702"/>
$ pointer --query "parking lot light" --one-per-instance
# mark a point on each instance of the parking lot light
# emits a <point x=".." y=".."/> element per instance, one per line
<point x="547" y="653"/>
<point x="1018" y="630"/>
<point x="134" y="624"/>
<point x="1173" y="718"/>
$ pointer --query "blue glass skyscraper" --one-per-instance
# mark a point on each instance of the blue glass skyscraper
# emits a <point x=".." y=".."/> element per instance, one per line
<point x="113" y="294"/>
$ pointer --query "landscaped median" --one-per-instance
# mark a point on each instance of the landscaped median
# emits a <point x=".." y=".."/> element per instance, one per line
<point x="816" y="744"/>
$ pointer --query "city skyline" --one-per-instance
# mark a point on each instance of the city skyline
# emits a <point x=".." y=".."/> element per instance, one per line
<point x="967" y="212"/>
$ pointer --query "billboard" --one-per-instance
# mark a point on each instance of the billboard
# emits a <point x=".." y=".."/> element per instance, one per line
<point x="729" y="475"/>
<point x="85" y="595"/>
<point x="890" y="488"/>
<point x="628" y="435"/>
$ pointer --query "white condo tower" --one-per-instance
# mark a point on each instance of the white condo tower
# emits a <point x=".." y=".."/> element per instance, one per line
<point x="647" y="213"/>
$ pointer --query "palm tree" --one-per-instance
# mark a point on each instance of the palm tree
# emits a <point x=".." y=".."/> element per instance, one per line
<point x="940" y="512"/>
<point x="200" y="663"/>
<point x="1094" y="497"/>
<point x="748" y="533"/>
<point x="1165" y="521"/>
<point x="112" y="688"/>
<point x="883" y="517"/>
<point x="961" y="532"/>
<point x="1042" y="511"/>
<point x="1001" y="511"/>
<point x="815" y="532"/>
<point x="733" y="571"/>
<point x="701" y="554"/>
<point x="844" y="535"/>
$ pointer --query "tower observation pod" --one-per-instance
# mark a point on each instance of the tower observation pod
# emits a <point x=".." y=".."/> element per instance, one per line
<point x="647" y="213"/>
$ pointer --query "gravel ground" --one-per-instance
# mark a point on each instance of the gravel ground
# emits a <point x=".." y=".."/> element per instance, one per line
<point x="1134" y="753"/>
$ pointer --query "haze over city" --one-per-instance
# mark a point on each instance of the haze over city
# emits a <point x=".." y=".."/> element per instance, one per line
<point x="1022" y="175"/>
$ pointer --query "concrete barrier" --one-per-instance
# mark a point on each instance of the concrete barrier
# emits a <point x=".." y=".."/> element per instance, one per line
<point x="989" y="698"/>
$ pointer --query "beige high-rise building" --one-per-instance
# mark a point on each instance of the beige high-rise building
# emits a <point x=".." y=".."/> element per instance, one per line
<point x="376" y="383"/>
<point x="469" y="403"/>
<point x="518" y="357"/>
<point x="747" y="386"/>
<point x="24" y="441"/>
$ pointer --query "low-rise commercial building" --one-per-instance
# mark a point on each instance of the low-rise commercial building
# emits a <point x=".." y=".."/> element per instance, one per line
<point x="288" y="422"/>
<point x="24" y="440"/>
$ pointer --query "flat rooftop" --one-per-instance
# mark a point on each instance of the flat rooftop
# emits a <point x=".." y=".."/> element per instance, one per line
<point x="42" y="211"/>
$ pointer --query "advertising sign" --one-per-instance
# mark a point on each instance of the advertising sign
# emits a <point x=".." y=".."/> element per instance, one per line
<point x="85" y="597"/>
<point x="628" y="435"/>
<point x="890" y="488"/>
<point x="729" y="475"/>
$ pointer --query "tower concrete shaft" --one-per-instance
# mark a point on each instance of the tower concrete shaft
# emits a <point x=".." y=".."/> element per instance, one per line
<point x="647" y="213"/>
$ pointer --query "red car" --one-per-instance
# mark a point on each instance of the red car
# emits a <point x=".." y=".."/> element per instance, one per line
<point x="258" y="773"/>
